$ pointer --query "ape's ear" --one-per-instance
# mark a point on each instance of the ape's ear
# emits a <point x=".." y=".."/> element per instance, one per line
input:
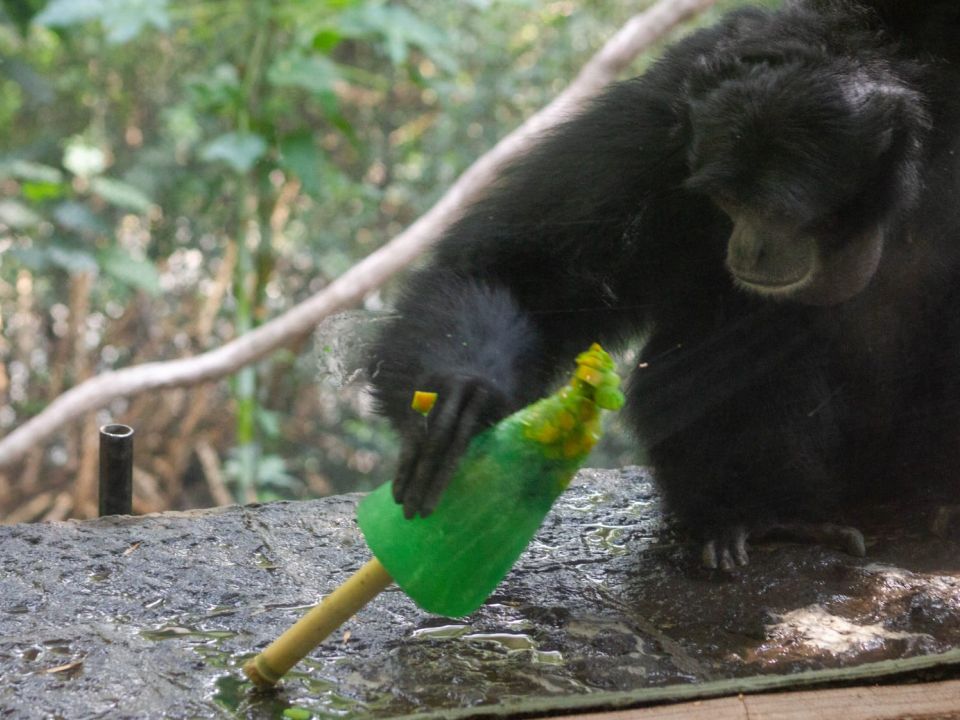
<point x="888" y="111"/>
<point x="893" y="122"/>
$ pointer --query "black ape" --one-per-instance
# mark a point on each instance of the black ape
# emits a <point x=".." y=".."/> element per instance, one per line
<point x="774" y="207"/>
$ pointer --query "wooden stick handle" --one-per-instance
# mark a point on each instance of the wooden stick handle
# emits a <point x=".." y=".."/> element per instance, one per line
<point x="266" y="669"/>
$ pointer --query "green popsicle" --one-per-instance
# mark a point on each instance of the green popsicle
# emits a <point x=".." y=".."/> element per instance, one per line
<point x="450" y="561"/>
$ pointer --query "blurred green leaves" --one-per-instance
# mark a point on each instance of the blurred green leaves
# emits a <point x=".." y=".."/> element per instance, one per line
<point x="120" y="194"/>
<point x="120" y="265"/>
<point x="122" y="20"/>
<point x="30" y="171"/>
<point x="229" y="158"/>
<point x="239" y="150"/>
<point x="62" y="229"/>
<point x="17" y="215"/>
<point x="313" y="73"/>
<point x="300" y="156"/>
<point x="397" y="31"/>
<point x="218" y="90"/>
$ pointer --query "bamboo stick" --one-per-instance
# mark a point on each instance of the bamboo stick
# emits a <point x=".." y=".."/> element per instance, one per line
<point x="266" y="669"/>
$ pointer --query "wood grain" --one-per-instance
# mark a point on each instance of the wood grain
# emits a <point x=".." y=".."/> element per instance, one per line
<point x="927" y="701"/>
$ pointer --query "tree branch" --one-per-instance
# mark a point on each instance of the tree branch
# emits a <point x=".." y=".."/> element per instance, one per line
<point x="637" y="34"/>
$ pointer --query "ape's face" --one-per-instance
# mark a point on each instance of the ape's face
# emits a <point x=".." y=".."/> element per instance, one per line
<point x="811" y="165"/>
<point x="815" y="265"/>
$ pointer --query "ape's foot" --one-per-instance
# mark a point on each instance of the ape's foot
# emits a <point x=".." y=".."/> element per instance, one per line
<point x="946" y="521"/>
<point x="728" y="550"/>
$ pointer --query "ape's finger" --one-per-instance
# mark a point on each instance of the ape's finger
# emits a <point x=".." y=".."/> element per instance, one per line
<point x="409" y="453"/>
<point x="708" y="555"/>
<point x="740" y="554"/>
<point x="476" y="403"/>
<point x="428" y="470"/>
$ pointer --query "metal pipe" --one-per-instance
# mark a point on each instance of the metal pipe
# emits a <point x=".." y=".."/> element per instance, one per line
<point x="116" y="470"/>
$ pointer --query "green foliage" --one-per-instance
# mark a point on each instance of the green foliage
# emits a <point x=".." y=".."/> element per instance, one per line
<point x="120" y="194"/>
<point x="300" y="156"/>
<point x="310" y="72"/>
<point x="138" y="274"/>
<point x="122" y="20"/>
<point x="161" y="146"/>
<point x="273" y="480"/>
<point x="396" y="31"/>
<point x="239" y="150"/>
<point x="57" y="226"/>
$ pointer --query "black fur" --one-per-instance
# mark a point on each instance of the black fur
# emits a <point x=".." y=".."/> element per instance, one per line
<point x="822" y="123"/>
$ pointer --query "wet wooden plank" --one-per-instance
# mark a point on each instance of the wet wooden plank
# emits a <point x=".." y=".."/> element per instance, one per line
<point x="926" y="701"/>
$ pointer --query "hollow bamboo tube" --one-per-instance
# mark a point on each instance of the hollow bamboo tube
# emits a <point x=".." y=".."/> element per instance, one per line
<point x="266" y="669"/>
<point x="116" y="470"/>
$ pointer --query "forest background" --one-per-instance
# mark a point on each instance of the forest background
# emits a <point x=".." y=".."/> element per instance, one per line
<point x="174" y="173"/>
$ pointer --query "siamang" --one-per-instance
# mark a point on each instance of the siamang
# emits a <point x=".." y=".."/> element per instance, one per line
<point x="773" y="208"/>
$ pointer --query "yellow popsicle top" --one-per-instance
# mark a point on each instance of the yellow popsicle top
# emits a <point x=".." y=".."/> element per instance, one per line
<point x="567" y="424"/>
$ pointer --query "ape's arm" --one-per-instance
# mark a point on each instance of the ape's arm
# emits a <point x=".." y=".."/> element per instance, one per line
<point x="546" y="264"/>
<point x="812" y="128"/>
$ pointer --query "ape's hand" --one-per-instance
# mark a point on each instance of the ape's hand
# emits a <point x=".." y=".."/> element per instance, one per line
<point x="432" y="445"/>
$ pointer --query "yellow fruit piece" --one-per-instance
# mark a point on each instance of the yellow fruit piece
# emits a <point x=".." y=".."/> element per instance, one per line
<point x="423" y="402"/>
<point x="591" y="376"/>
<point x="545" y="434"/>
<point x="573" y="447"/>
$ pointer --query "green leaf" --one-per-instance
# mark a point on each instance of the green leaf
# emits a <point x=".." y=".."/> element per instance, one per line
<point x="313" y="73"/>
<point x="398" y="29"/>
<point x="78" y="218"/>
<point x="326" y="39"/>
<point x="25" y="170"/>
<point x="62" y="13"/>
<point x="121" y="194"/>
<point x="217" y="90"/>
<point x="121" y="266"/>
<point x="331" y="108"/>
<point x="272" y="470"/>
<point x="269" y="422"/>
<point x="32" y="258"/>
<point x="73" y="260"/>
<point x="39" y="191"/>
<point x="238" y="150"/>
<point x="66" y="257"/>
<point x="17" y="216"/>
<point x="122" y="20"/>
<point x="126" y="19"/>
<point x="19" y="12"/>
<point x="182" y="125"/>
<point x="299" y="154"/>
